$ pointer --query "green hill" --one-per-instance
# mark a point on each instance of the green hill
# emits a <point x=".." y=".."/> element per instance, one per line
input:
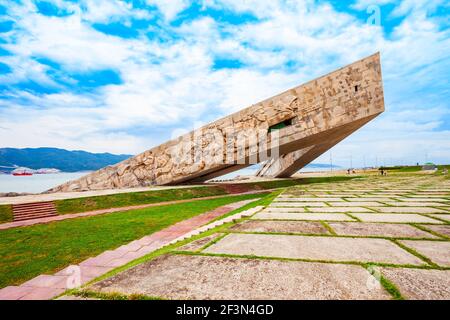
<point x="64" y="160"/>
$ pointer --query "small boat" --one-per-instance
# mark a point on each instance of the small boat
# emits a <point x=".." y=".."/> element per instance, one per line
<point x="22" y="171"/>
<point x="22" y="174"/>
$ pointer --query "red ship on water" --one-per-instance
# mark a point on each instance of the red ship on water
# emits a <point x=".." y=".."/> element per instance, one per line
<point x="22" y="174"/>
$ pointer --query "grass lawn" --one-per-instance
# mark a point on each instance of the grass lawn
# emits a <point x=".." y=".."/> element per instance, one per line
<point x="6" y="214"/>
<point x="402" y="168"/>
<point x="148" y="197"/>
<point x="412" y="168"/>
<point x="29" y="251"/>
<point x="134" y="198"/>
<point x="441" y="168"/>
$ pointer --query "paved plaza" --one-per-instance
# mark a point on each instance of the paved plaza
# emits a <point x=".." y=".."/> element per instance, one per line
<point x="369" y="238"/>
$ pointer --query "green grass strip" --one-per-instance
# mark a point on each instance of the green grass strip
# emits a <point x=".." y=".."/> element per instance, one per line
<point x="391" y="288"/>
<point x="209" y="244"/>
<point x="155" y="196"/>
<point x="135" y="198"/>
<point x="46" y="248"/>
<point x="110" y="295"/>
<point x="328" y="227"/>
<point x="6" y="214"/>
<point x="387" y="285"/>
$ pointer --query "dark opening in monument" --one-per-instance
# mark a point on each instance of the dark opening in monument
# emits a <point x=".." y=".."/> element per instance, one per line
<point x="356" y="88"/>
<point x="281" y="125"/>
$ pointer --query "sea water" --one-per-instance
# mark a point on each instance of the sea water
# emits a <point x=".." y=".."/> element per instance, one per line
<point x="37" y="182"/>
<point x="42" y="182"/>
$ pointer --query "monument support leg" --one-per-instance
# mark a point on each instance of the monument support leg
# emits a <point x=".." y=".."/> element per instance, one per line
<point x="288" y="164"/>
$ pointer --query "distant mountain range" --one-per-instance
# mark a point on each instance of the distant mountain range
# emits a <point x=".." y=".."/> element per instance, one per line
<point x="64" y="160"/>
<point x="70" y="161"/>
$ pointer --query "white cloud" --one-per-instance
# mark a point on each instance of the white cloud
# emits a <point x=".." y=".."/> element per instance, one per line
<point x="364" y="4"/>
<point x="171" y="8"/>
<point x="257" y="7"/>
<point x="104" y="11"/>
<point x="25" y="70"/>
<point x="70" y="42"/>
<point x="173" y="83"/>
<point x="417" y="7"/>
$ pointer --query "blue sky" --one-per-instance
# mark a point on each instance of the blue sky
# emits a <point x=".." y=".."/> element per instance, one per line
<point x="123" y="76"/>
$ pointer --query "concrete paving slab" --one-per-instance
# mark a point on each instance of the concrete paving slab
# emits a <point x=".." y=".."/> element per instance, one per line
<point x="281" y="226"/>
<point x="390" y="191"/>
<point x="418" y="284"/>
<point x="433" y="190"/>
<point x="440" y="229"/>
<point x="445" y="217"/>
<point x="378" y="229"/>
<point x="340" y="209"/>
<point x="200" y="243"/>
<point x="437" y="251"/>
<point x="47" y="281"/>
<point x="437" y="196"/>
<point x="356" y="204"/>
<point x="201" y="277"/>
<point x="377" y="196"/>
<point x="303" y="216"/>
<point x="343" y="191"/>
<point x="415" y="204"/>
<point x="409" y="210"/>
<point x="284" y="209"/>
<point x="14" y="292"/>
<point x="394" y="217"/>
<point x="298" y="204"/>
<point x="316" y="248"/>
<point x="424" y="199"/>
<point x="87" y="273"/>
<point x="395" y="190"/>
<point x="366" y="199"/>
<point x="42" y="293"/>
<point x="334" y="195"/>
<point x="309" y="199"/>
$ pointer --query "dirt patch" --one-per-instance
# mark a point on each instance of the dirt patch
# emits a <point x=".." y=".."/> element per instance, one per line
<point x="420" y="284"/>
<point x="201" y="277"/>
<point x="378" y="229"/>
<point x="302" y="216"/>
<point x="314" y="247"/>
<point x="394" y="217"/>
<point x="281" y="226"/>
<point x="200" y="243"/>
<point x="437" y="251"/>
<point x="443" y="230"/>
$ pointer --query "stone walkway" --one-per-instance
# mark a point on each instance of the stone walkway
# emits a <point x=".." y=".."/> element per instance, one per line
<point x="49" y="286"/>
<point x="322" y="241"/>
<point x="25" y="223"/>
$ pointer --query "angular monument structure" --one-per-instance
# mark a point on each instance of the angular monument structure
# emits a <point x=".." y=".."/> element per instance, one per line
<point x="286" y="131"/>
<point x="287" y="164"/>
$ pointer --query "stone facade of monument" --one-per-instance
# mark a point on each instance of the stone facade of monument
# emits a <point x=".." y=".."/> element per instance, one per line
<point x="316" y="114"/>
